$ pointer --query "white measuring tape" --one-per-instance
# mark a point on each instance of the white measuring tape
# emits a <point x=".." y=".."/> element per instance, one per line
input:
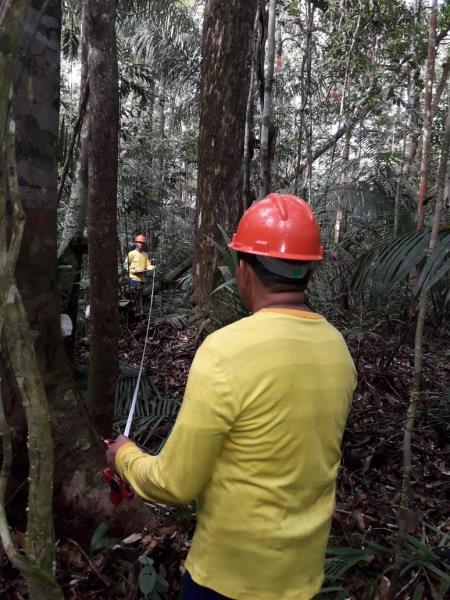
<point x="138" y="382"/>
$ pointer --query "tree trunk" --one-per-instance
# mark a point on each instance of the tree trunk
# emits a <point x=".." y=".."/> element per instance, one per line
<point x="81" y="496"/>
<point x="249" y="136"/>
<point x="102" y="210"/>
<point x="32" y="178"/>
<point x="413" y="93"/>
<point x="73" y="244"/>
<point x="441" y="85"/>
<point x="418" y="354"/>
<point x="225" y="75"/>
<point x="308" y="99"/>
<point x="427" y="121"/>
<point x="265" y="166"/>
<point x="400" y="182"/>
<point x="301" y="120"/>
<point x="339" y="225"/>
<point x="261" y="40"/>
<point x="161" y="141"/>
<point x="75" y="215"/>
<point x="12" y="17"/>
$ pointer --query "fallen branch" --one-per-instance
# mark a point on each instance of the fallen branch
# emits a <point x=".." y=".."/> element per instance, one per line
<point x="174" y="274"/>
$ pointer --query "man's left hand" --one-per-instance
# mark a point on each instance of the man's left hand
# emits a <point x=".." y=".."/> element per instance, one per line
<point x="112" y="449"/>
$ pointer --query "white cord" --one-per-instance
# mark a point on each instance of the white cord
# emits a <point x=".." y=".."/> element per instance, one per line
<point x="138" y="382"/>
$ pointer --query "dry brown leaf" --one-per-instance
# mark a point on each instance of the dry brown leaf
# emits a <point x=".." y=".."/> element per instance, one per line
<point x="134" y="537"/>
<point x="359" y="518"/>
<point x="383" y="589"/>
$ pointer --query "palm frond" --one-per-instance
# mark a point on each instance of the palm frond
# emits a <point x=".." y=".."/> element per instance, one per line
<point x="152" y="410"/>
<point x="175" y="320"/>
<point x="387" y="265"/>
<point x="167" y="37"/>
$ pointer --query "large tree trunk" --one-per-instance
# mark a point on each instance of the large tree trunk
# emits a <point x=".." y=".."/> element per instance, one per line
<point x="16" y="344"/>
<point x="80" y="495"/>
<point x="102" y="209"/>
<point x="32" y="183"/>
<point x="36" y="114"/>
<point x="225" y="75"/>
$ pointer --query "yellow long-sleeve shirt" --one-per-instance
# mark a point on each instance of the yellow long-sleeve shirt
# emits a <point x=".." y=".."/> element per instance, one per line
<point x="257" y="443"/>
<point x="138" y="261"/>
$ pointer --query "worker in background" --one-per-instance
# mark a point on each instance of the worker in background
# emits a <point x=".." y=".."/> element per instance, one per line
<point x="138" y="262"/>
<point x="257" y="440"/>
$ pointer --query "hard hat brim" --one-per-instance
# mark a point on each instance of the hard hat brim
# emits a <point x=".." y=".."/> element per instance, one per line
<point x="275" y="254"/>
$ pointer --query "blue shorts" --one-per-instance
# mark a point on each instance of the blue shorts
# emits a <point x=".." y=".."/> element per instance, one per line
<point x="193" y="591"/>
<point x="134" y="284"/>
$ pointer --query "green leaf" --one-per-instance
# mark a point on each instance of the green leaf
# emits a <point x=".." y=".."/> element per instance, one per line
<point x="418" y="592"/>
<point x="161" y="584"/>
<point x="147" y="579"/>
<point x="387" y="265"/>
<point x="99" y="541"/>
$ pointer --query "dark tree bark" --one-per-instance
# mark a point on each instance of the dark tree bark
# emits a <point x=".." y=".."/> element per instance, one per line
<point x="16" y="20"/>
<point x="12" y="15"/>
<point x="32" y="185"/>
<point x="102" y="209"/>
<point x="80" y="495"/>
<point x="36" y="114"/>
<point x="227" y="35"/>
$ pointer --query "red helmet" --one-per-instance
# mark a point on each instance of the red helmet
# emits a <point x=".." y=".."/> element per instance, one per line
<point x="140" y="238"/>
<point x="279" y="226"/>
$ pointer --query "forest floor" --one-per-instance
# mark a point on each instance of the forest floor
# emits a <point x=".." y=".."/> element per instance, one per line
<point x="365" y="520"/>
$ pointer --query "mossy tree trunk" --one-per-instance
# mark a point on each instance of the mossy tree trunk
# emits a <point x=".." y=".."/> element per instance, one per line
<point x="225" y="77"/>
<point x="81" y="498"/>
<point x="39" y="29"/>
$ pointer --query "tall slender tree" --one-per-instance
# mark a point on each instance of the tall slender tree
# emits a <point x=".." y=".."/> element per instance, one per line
<point x="427" y="116"/>
<point x="265" y="166"/>
<point x="249" y="136"/>
<point x="102" y="208"/>
<point x="225" y="76"/>
<point x="73" y="243"/>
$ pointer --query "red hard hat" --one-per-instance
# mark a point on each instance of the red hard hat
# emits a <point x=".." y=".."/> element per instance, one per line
<point x="280" y="226"/>
<point x="140" y="238"/>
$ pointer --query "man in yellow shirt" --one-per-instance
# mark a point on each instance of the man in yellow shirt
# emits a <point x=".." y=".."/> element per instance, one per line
<point x="257" y="440"/>
<point x="138" y="262"/>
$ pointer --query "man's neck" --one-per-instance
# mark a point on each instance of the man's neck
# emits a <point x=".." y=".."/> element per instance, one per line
<point x="294" y="301"/>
